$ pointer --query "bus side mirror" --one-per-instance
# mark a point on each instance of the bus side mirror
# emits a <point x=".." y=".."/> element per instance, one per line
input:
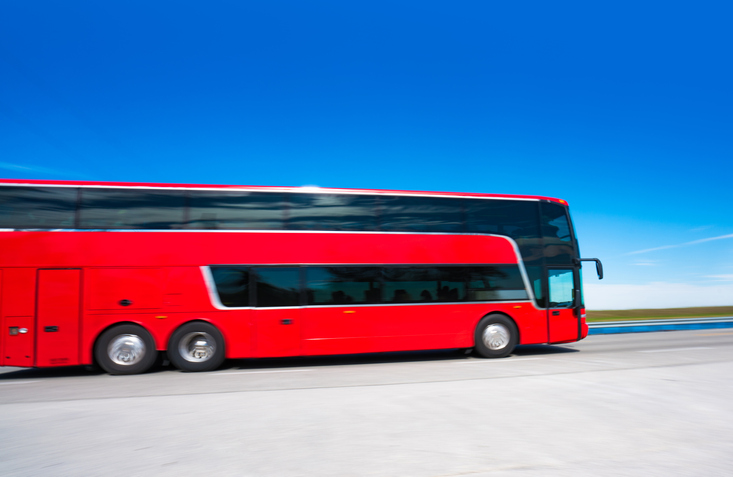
<point x="599" y="265"/>
<point x="599" y="269"/>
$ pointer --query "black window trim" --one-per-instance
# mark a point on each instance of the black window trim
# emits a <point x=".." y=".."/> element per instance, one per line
<point x="185" y="192"/>
<point x="216" y="301"/>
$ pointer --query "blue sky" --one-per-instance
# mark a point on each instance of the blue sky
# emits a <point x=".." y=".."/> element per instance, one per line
<point x="625" y="109"/>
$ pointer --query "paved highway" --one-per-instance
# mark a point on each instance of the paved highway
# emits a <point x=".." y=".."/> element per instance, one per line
<point x="632" y="404"/>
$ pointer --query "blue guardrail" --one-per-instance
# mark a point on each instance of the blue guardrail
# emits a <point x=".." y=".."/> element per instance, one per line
<point x="644" y="326"/>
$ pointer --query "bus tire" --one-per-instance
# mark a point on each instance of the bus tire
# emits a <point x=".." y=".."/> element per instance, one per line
<point x="496" y="336"/>
<point x="125" y="349"/>
<point x="196" y="346"/>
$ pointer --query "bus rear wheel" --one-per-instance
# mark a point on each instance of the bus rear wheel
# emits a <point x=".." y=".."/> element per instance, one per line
<point x="125" y="349"/>
<point x="495" y="337"/>
<point x="196" y="346"/>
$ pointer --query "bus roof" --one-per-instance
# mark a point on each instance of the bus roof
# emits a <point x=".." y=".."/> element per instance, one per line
<point x="310" y="189"/>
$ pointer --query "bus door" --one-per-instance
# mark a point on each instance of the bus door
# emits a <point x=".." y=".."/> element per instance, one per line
<point x="563" y="317"/>
<point x="58" y="315"/>
<point x="277" y="313"/>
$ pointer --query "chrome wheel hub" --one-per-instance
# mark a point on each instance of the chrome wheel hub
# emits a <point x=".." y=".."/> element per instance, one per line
<point x="126" y="350"/>
<point x="197" y="347"/>
<point x="496" y="336"/>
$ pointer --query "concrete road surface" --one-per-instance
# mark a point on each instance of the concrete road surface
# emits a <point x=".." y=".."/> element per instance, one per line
<point x="637" y="404"/>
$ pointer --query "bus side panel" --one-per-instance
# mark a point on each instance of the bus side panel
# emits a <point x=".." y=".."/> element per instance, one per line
<point x="340" y="330"/>
<point x="531" y="321"/>
<point x="277" y="332"/>
<point x="413" y="327"/>
<point x="159" y="249"/>
<point x="370" y="329"/>
<point x="18" y="309"/>
<point x="57" y="318"/>
<point x="19" y="292"/>
<point x="125" y="288"/>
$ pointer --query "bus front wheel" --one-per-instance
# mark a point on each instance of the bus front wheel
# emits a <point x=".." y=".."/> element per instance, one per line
<point x="196" y="346"/>
<point x="125" y="349"/>
<point x="496" y="336"/>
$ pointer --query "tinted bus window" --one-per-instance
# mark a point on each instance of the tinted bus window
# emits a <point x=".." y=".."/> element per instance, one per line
<point x="131" y="209"/>
<point x="558" y="242"/>
<point x="232" y="285"/>
<point x="423" y="285"/>
<point x="332" y="212"/>
<point x="420" y="214"/>
<point x="514" y="218"/>
<point x="451" y="284"/>
<point x="37" y="207"/>
<point x="236" y="210"/>
<point x="342" y="285"/>
<point x="277" y="287"/>
<point x="495" y="283"/>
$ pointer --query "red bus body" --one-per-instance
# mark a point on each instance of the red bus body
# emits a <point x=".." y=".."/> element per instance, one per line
<point x="59" y="290"/>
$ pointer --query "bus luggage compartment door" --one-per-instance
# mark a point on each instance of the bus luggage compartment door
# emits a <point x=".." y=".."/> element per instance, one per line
<point x="17" y="316"/>
<point x="277" y="332"/>
<point x="57" y="317"/>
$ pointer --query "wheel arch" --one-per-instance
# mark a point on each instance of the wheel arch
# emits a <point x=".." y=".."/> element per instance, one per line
<point x="208" y="352"/>
<point x="120" y="323"/>
<point x="497" y="312"/>
<point x="216" y="325"/>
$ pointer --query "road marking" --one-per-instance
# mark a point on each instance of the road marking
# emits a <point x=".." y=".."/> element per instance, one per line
<point x="265" y="372"/>
<point x="674" y="349"/>
<point x="20" y="382"/>
<point x="715" y="334"/>
<point x="474" y="361"/>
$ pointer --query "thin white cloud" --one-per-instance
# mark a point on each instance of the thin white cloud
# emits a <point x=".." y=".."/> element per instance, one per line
<point x="694" y="242"/>
<point x="724" y="277"/>
<point x="599" y="296"/>
<point x="653" y="249"/>
<point x="15" y="167"/>
<point x="720" y="237"/>
<point x="40" y="170"/>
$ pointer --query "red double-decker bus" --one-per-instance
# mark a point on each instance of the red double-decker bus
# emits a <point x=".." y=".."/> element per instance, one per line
<point x="114" y="273"/>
